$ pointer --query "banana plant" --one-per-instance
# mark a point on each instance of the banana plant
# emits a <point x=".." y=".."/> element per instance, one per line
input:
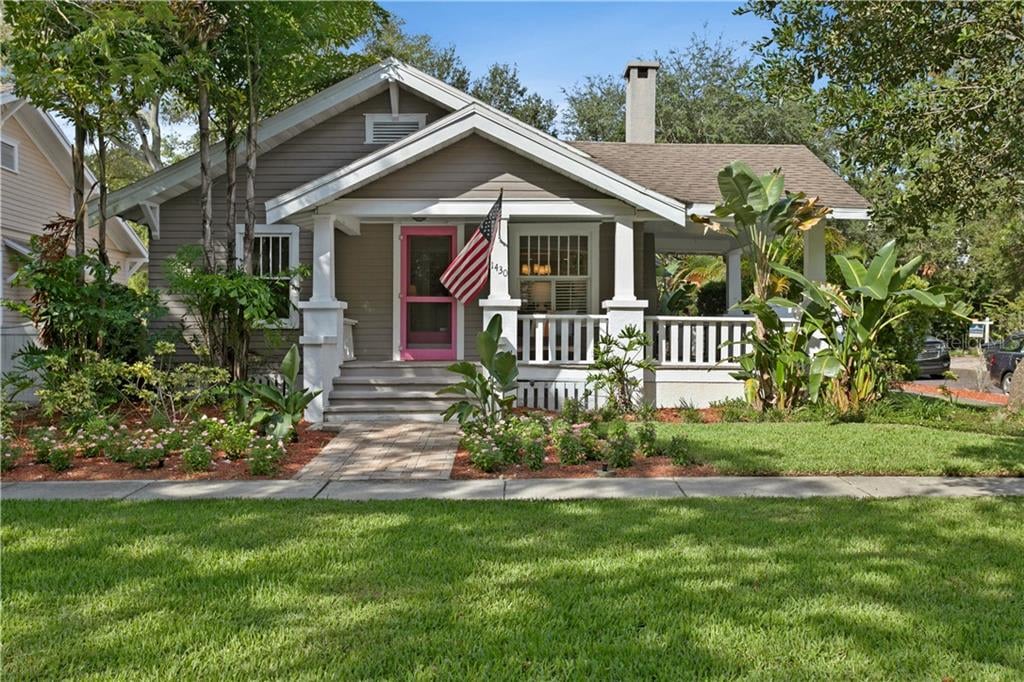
<point x="488" y="395"/>
<point x="279" y="411"/>
<point x="849" y="322"/>
<point x="762" y="213"/>
<point x="774" y="372"/>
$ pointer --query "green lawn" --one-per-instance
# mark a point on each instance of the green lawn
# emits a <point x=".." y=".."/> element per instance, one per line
<point x="827" y="448"/>
<point x="779" y="589"/>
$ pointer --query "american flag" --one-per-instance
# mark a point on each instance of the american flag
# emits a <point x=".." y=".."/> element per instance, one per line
<point x="467" y="274"/>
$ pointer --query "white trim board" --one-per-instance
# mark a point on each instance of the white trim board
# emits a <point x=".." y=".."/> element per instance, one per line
<point x="454" y="208"/>
<point x="473" y="119"/>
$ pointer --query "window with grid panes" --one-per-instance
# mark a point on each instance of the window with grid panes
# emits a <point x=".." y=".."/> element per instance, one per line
<point x="554" y="273"/>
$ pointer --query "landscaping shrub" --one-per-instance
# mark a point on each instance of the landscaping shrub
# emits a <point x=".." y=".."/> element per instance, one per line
<point x="174" y="392"/>
<point x="508" y="438"/>
<point x="677" y="451"/>
<point x="196" y="456"/>
<point x="618" y="367"/>
<point x="59" y="457"/>
<point x="230" y="437"/>
<point x="44" y="441"/>
<point x="92" y="436"/>
<point x="646" y="439"/>
<point x="576" y="443"/>
<point x="621" y="446"/>
<point x="9" y="455"/>
<point x="573" y="411"/>
<point x="225" y="308"/>
<point x="534" y="444"/>
<point x="77" y="314"/>
<point x="484" y="453"/>
<point x="265" y="455"/>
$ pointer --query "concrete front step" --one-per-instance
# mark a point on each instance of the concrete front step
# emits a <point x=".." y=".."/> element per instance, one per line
<point x="382" y="393"/>
<point x="396" y="370"/>
<point x="392" y="405"/>
<point x="333" y="422"/>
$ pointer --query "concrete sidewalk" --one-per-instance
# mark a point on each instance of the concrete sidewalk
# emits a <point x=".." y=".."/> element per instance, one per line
<point x="531" y="489"/>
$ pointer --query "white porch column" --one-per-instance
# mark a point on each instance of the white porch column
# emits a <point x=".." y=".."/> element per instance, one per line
<point x="322" y="321"/>
<point x="733" y="280"/>
<point x="624" y="309"/>
<point x="498" y="301"/>
<point x="814" y="253"/>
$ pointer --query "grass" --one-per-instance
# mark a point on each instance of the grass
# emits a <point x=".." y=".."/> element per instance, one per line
<point x="849" y="448"/>
<point x="766" y="589"/>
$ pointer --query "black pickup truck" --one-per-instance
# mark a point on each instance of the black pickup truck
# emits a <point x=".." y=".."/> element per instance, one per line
<point x="1002" y="357"/>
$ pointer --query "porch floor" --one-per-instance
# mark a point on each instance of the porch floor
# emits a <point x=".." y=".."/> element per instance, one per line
<point x="376" y="451"/>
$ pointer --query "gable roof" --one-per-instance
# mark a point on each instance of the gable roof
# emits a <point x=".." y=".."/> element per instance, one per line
<point x="478" y="119"/>
<point x="689" y="172"/>
<point x="182" y="176"/>
<point x="49" y="139"/>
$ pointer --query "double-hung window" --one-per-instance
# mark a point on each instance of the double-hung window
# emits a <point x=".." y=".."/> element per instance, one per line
<point x="556" y="268"/>
<point x="275" y="254"/>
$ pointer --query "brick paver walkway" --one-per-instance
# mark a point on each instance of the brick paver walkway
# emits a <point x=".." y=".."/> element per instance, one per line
<point x="385" y="450"/>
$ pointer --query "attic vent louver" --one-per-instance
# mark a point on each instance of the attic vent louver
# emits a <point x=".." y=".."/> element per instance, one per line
<point x="385" y="128"/>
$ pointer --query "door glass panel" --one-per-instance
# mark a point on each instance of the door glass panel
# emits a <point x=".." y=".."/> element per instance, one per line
<point x="428" y="258"/>
<point x="429" y="325"/>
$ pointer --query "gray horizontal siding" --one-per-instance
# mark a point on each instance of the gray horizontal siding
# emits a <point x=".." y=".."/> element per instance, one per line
<point x="474" y="168"/>
<point x="364" y="279"/>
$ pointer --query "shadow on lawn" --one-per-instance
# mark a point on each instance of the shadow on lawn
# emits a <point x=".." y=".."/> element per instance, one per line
<point x="913" y="588"/>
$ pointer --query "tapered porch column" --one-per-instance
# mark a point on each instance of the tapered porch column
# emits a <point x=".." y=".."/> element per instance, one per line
<point x="733" y="281"/>
<point x="499" y="301"/>
<point x="624" y="309"/>
<point x="322" y="321"/>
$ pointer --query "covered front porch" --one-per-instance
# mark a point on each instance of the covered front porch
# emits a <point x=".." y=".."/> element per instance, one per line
<point x="563" y="272"/>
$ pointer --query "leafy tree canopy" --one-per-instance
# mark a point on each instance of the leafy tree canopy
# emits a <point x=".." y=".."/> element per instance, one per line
<point x="925" y="97"/>
<point x="707" y="93"/>
<point x="501" y="88"/>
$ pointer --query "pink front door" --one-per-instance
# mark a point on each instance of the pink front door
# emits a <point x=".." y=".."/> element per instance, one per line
<point x="427" y="309"/>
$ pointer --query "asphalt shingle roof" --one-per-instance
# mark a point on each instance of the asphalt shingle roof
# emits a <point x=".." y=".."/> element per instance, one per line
<point x="689" y="172"/>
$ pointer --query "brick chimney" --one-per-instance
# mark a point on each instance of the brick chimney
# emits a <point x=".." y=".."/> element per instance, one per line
<point x="641" y="78"/>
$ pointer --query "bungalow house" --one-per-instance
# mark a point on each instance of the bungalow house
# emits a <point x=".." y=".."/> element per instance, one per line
<point x="377" y="181"/>
<point x="35" y="186"/>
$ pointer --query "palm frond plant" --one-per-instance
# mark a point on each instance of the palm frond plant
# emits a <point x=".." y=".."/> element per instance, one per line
<point x="487" y="395"/>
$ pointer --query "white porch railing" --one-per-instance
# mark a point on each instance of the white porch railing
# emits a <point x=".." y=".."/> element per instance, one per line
<point x="698" y="341"/>
<point x="559" y="339"/>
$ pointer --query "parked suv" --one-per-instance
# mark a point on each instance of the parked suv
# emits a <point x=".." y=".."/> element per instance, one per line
<point x="1001" y="359"/>
<point x="933" y="360"/>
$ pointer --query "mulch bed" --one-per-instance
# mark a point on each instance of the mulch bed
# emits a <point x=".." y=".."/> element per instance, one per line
<point x="964" y="393"/>
<point x="299" y="453"/>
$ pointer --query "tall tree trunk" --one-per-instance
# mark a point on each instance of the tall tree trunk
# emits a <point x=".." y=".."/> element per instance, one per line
<point x="101" y="241"/>
<point x="205" y="198"/>
<point x="78" y="171"/>
<point x="147" y="127"/>
<point x="250" y="165"/>
<point x="231" y="170"/>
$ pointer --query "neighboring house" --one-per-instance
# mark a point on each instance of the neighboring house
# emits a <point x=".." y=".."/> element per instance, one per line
<point x="377" y="181"/>
<point x="35" y="186"/>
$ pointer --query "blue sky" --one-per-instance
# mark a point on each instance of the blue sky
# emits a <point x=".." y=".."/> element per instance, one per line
<point x="556" y="44"/>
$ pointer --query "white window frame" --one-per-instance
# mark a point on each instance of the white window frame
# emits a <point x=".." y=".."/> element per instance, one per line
<point x="591" y="231"/>
<point x="370" y="119"/>
<point x="17" y="155"/>
<point x="292" y="232"/>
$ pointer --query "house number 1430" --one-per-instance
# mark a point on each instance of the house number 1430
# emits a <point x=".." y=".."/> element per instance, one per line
<point x="500" y="269"/>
